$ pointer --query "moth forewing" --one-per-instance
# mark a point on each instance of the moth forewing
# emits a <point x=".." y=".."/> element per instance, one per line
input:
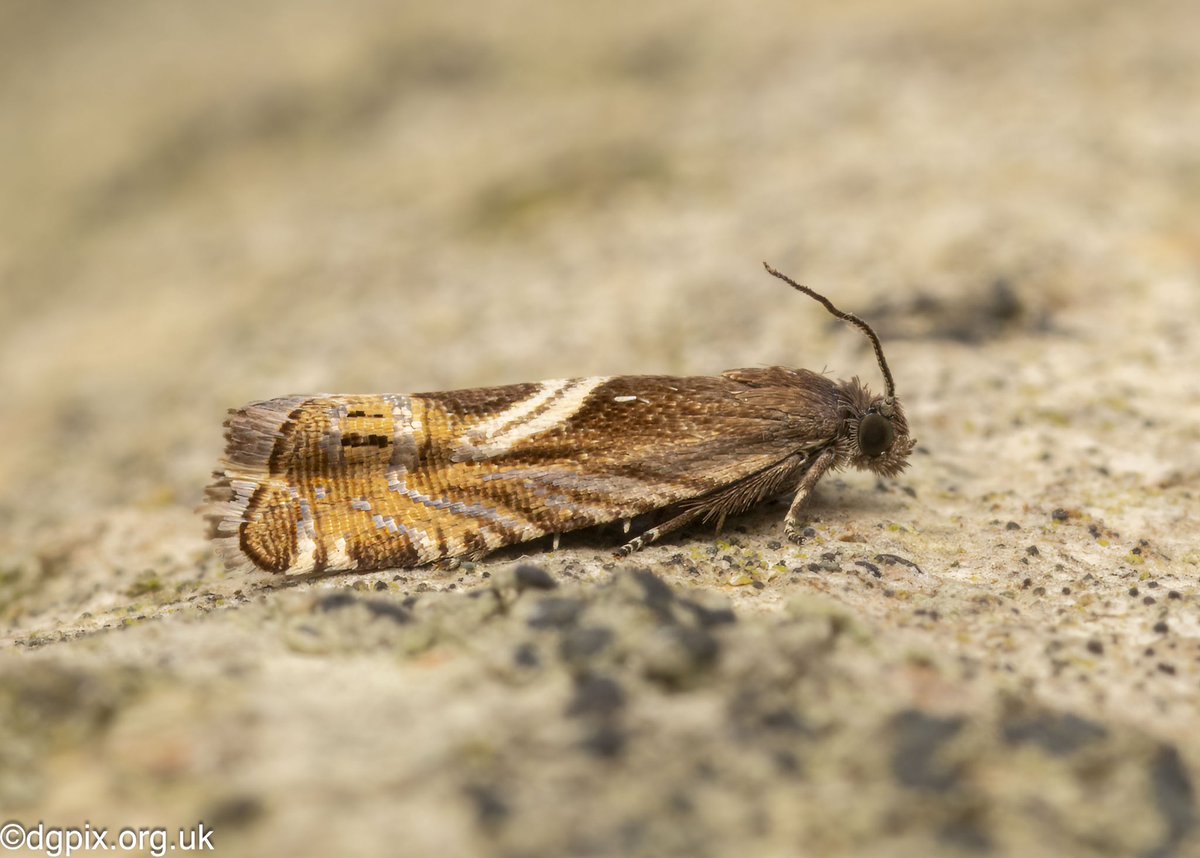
<point x="359" y="482"/>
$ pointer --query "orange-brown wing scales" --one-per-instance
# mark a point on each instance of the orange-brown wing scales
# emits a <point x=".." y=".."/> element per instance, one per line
<point x="373" y="481"/>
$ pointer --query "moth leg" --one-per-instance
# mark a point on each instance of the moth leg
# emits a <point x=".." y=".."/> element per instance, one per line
<point x="682" y="520"/>
<point x="733" y="499"/>
<point x="792" y="523"/>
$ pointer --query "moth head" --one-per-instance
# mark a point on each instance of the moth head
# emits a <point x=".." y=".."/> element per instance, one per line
<point x="877" y="428"/>
<point x="879" y="437"/>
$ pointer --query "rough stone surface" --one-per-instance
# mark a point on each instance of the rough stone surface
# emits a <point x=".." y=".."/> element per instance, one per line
<point x="997" y="653"/>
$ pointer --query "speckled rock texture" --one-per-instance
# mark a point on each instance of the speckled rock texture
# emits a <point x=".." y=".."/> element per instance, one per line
<point x="997" y="653"/>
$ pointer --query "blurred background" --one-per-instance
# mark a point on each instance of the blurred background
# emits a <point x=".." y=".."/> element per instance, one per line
<point x="203" y="204"/>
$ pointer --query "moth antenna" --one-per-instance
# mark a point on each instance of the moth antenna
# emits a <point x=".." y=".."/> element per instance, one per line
<point x="889" y="385"/>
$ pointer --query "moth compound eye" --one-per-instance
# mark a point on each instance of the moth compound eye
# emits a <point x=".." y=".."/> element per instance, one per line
<point x="875" y="435"/>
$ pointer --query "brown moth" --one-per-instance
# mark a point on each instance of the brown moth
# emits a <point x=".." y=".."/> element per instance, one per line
<point x="359" y="482"/>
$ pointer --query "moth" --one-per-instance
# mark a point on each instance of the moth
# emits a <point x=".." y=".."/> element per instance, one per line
<point x="367" y="481"/>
